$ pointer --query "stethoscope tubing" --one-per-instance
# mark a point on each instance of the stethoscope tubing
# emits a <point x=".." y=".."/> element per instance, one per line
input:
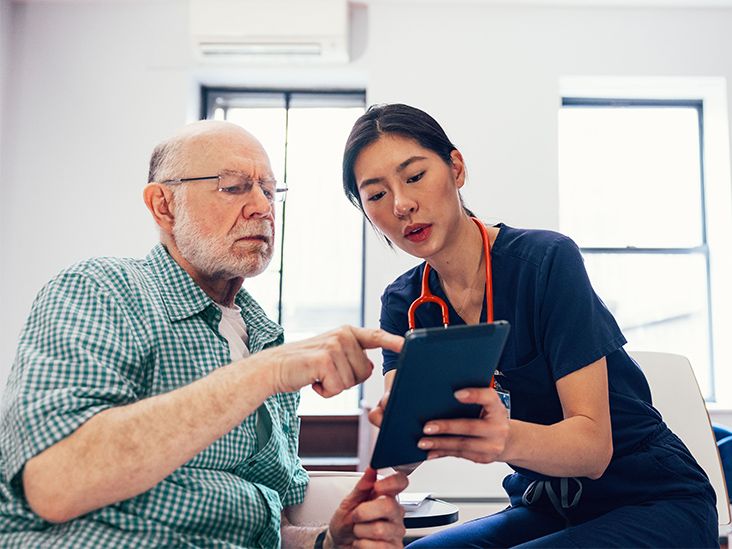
<point x="428" y="297"/>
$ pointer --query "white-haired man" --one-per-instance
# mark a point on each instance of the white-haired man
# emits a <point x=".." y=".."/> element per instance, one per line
<point x="151" y="402"/>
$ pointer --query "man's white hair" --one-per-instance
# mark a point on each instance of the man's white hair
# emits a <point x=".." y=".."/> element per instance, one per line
<point x="169" y="159"/>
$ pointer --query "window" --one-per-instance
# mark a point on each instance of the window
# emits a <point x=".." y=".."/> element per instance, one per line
<point x="314" y="282"/>
<point x="631" y="181"/>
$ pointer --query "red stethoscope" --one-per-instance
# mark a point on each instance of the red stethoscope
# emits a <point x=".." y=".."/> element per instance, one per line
<point x="428" y="297"/>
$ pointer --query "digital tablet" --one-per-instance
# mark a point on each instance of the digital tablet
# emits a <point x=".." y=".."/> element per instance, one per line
<point x="433" y="364"/>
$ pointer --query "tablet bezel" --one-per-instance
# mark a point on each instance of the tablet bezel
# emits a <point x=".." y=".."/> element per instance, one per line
<point x="488" y="337"/>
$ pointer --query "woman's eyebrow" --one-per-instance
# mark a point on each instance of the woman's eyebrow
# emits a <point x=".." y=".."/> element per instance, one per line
<point x="408" y="161"/>
<point x="401" y="167"/>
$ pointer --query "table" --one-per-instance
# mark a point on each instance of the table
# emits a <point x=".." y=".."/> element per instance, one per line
<point x="432" y="512"/>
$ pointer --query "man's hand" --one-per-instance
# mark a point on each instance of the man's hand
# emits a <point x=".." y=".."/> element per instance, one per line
<point x="331" y="362"/>
<point x="370" y="516"/>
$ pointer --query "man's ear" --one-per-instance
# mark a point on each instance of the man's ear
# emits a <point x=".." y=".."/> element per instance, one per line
<point x="158" y="199"/>
<point x="458" y="167"/>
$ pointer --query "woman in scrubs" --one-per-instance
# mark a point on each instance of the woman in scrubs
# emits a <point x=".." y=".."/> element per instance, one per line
<point x="595" y="466"/>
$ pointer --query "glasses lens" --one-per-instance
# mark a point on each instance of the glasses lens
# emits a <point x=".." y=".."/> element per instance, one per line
<point x="237" y="184"/>
<point x="234" y="183"/>
<point x="280" y="194"/>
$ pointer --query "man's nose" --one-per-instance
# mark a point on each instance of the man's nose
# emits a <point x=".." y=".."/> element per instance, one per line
<point x="256" y="204"/>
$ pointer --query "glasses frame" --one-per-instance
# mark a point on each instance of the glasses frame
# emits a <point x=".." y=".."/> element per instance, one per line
<point x="279" y="196"/>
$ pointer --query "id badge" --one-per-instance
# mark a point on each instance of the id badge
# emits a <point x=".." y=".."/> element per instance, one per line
<point x="505" y="397"/>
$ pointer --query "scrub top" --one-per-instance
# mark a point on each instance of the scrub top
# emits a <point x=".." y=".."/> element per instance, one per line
<point x="558" y="326"/>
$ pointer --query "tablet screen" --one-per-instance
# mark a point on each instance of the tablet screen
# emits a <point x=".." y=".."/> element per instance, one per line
<point x="434" y="363"/>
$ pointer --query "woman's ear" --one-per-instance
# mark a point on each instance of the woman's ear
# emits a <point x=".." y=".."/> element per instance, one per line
<point x="458" y="167"/>
<point x="158" y="199"/>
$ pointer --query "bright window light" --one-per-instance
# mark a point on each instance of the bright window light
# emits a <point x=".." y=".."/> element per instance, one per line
<point x="314" y="283"/>
<point x="632" y="197"/>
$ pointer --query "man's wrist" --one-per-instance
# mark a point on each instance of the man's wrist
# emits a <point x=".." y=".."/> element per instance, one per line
<point x="256" y="371"/>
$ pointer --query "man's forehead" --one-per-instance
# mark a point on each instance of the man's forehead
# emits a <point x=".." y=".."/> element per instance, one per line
<point x="223" y="146"/>
<point x="208" y="133"/>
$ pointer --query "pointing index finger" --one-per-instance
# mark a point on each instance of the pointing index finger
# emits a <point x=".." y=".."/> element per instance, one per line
<point x="373" y="338"/>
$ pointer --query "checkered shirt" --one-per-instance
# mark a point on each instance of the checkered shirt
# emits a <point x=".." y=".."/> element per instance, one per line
<point x="109" y="332"/>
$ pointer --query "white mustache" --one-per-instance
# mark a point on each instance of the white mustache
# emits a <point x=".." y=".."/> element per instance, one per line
<point x="263" y="229"/>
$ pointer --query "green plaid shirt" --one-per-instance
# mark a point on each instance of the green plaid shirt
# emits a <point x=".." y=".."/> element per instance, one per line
<point x="109" y="332"/>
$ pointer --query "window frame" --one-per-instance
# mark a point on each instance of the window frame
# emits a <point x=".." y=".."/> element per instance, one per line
<point x="578" y="101"/>
<point x="208" y="98"/>
<point x="342" y="430"/>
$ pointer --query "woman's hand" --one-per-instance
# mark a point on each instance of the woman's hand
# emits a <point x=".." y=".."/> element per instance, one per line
<point x="376" y="414"/>
<point x="480" y="440"/>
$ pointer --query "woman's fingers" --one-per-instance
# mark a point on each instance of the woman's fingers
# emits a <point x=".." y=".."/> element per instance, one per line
<point x="481" y="440"/>
<point x="485" y="396"/>
<point x="376" y="415"/>
<point x="474" y="449"/>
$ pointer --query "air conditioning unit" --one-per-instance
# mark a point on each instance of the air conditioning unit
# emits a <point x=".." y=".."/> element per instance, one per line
<point x="270" y="31"/>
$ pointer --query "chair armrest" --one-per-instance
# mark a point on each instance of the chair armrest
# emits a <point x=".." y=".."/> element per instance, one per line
<point x="325" y="491"/>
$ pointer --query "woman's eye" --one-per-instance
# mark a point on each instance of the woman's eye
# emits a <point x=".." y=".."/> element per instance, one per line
<point x="377" y="196"/>
<point x="415" y="178"/>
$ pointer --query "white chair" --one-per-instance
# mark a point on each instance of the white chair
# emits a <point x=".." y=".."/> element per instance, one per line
<point x="325" y="491"/>
<point x="676" y="395"/>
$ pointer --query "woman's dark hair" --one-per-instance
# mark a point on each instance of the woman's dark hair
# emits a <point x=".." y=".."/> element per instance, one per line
<point x="397" y="119"/>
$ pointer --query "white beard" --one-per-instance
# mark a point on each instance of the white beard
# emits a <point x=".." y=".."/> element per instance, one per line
<point x="222" y="258"/>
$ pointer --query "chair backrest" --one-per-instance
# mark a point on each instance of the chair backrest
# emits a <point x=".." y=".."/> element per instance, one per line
<point x="676" y="395"/>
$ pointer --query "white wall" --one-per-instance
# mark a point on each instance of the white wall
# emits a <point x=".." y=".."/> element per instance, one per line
<point x="5" y="17"/>
<point x="93" y="88"/>
<point x="492" y="74"/>
<point x="95" y="85"/>
<point x="4" y="47"/>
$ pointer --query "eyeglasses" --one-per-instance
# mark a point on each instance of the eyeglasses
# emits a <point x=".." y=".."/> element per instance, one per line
<point x="236" y="184"/>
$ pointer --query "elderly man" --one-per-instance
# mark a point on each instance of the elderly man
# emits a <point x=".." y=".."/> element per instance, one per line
<point x="151" y="402"/>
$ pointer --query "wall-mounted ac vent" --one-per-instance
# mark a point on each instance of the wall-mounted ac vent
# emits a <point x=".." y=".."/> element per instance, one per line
<point x="270" y="31"/>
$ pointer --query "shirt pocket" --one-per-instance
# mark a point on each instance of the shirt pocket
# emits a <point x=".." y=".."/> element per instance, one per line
<point x="533" y="391"/>
<point x="532" y="377"/>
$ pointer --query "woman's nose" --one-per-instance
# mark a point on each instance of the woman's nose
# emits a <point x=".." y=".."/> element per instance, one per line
<point x="404" y="206"/>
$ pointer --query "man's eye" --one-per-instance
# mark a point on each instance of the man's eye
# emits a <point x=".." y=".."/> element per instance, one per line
<point x="377" y="196"/>
<point x="234" y="189"/>
<point x="415" y="178"/>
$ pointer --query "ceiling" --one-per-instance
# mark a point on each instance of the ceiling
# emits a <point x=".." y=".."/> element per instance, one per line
<point x="547" y="3"/>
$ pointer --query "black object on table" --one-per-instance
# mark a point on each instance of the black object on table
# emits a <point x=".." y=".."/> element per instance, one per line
<point x="431" y="512"/>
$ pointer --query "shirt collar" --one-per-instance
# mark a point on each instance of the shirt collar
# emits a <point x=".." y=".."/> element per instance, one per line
<point x="183" y="298"/>
<point x="180" y="294"/>
<point x="262" y="331"/>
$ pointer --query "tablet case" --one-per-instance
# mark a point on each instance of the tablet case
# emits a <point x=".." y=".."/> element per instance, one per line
<point x="434" y="363"/>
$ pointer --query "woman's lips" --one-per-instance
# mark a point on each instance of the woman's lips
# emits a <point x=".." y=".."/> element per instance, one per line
<point x="419" y="233"/>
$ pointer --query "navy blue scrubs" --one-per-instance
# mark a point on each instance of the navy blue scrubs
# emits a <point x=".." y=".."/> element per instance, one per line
<point x="653" y="493"/>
